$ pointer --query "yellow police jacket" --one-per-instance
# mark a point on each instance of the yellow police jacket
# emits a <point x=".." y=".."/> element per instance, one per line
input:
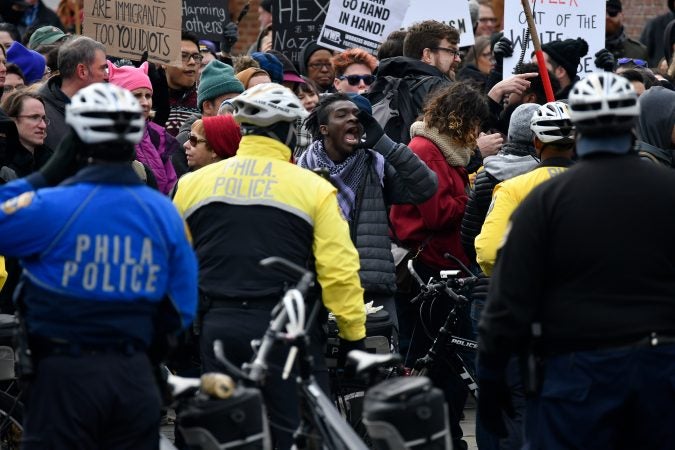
<point x="258" y="204"/>
<point x="506" y="196"/>
<point x="3" y="272"/>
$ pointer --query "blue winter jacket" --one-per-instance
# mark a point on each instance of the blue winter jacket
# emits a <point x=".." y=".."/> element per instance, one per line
<point x="106" y="259"/>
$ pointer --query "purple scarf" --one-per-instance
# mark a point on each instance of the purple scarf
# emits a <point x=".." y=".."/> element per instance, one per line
<point x="346" y="176"/>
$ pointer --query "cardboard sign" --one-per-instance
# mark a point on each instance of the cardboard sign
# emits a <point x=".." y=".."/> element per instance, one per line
<point x="296" y="23"/>
<point x="206" y="18"/>
<point x="361" y="23"/>
<point x="128" y="28"/>
<point x="556" y="20"/>
<point x="452" y="12"/>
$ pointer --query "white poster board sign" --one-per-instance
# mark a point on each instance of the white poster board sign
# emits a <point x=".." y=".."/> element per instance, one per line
<point x="452" y="12"/>
<point x="361" y="23"/>
<point x="564" y="19"/>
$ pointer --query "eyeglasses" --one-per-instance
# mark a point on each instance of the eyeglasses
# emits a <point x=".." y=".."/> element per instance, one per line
<point x="637" y="62"/>
<point x="488" y="19"/>
<point x="319" y="65"/>
<point x="9" y="88"/>
<point x="613" y="12"/>
<point x="194" y="140"/>
<point x="452" y="51"/>
<point x="36" y="118"/>
<point x="354" y="80"/>
<point x="186" y="57"/>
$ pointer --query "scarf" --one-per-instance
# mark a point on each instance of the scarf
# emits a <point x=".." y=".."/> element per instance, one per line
<point x="454" y="155"/>
<point x="346" y="175"/>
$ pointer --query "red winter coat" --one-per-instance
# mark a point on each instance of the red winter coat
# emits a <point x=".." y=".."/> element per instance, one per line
<point x="436" y="223"/>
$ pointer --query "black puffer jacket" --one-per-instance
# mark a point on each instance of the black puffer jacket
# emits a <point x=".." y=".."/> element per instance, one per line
<point x="407" y="179"/>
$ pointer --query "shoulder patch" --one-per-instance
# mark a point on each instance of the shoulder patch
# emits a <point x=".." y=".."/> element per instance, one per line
<point x="14" y="204"/>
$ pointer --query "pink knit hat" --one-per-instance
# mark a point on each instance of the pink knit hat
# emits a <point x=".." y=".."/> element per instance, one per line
<point x="129" y="77"/>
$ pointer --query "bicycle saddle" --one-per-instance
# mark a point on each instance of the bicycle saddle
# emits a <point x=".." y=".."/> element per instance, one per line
<point x="367" y="361"/>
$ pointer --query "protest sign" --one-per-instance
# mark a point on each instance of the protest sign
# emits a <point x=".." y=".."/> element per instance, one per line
<point x="296" y="22"/>
<point x="206" y="18"/>
<point x="556" y="20"/>
<point x="128" y="28"/>
<point x="361" y="23"/>
<point x="452" y="12"/>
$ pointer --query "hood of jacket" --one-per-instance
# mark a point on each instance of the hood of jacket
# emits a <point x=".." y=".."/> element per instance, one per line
<point x="504" y="166"/>
<point x="402" y="66"/>
<point x="657" y="117"/>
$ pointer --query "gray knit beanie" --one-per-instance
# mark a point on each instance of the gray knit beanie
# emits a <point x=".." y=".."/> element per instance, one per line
<point x="519" y="126"/>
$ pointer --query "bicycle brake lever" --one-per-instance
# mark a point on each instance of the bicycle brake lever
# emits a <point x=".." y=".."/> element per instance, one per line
<point x="414" y="274"/>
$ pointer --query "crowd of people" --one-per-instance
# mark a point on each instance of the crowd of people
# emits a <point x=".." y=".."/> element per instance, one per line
<point x="138" y="199"/>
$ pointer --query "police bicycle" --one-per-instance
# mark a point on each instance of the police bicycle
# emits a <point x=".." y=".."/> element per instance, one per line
<point x="447" y="348"/>
<point x="400" y="413"/>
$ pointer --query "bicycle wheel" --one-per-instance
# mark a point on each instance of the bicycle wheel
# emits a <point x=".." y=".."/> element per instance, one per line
<point x="348" y="398"/>
<point x="11" y="417"/>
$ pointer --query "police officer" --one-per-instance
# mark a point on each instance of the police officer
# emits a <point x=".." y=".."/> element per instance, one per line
<point x="108" y="273"/>
<point x="258" y="204"/>
<point x="585" y="283"/>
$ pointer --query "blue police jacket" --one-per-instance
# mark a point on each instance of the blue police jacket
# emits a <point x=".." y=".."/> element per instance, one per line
<point x="106" y="259"/>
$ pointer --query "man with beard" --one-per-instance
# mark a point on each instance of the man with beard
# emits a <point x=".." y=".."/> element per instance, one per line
<point x="430" y="56"/>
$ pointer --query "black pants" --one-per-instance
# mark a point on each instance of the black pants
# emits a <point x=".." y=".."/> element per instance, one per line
<point x="103" y="401"/>
<point x="236" y="327"/>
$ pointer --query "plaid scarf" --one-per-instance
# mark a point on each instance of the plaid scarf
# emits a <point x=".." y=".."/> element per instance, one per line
<point x="346" y="176"/>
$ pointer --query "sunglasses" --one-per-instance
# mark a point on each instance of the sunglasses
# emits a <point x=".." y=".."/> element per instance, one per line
<point x="354" y="80"/>
<point x="194" y="140"/>
<point x="637" y="62"/>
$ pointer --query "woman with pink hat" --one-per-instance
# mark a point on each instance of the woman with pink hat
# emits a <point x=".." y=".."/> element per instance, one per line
<point x="157" y="146"/>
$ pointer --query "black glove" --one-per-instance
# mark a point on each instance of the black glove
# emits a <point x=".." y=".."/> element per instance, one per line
<point x="503" y="49"/>
<point x="605" y="60"/>
<point x="230" y="37"/>
<point x="373" y="130"/>
<point x="64" y="162"/>
<point x="160" y="94"/>
<point x="346" y="347"/>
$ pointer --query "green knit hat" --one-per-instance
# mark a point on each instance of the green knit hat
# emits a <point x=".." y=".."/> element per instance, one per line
<point x="217" y="78"/>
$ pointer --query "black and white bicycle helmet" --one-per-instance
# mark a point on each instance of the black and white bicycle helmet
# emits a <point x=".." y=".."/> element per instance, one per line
<point x="603" y="104"/>
<point x="105" y="113"/>
<point x="551" y="124"/>
<point x="266" y="104"/>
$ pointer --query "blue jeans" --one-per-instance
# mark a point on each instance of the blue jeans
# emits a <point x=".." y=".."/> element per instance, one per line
<point x="620" y="398"/>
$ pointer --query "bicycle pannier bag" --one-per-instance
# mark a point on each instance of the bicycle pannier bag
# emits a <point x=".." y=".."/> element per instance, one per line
<point x="237" y="423"/>
<point x="402" y="413"/>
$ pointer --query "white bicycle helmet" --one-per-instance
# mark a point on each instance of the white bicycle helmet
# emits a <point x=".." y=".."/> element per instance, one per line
<point x="551" y="123"/>
<point x="603" y="103"/>
<point x="266" y="104"/>
<point x="104" y="112"/>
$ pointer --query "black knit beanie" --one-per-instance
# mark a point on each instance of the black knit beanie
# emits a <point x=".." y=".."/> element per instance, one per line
<point x="567" y="53"/>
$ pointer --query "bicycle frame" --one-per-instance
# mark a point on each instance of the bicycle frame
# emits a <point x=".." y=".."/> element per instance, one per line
<point x="318" y="413"/>
<point x="445" y="340"/>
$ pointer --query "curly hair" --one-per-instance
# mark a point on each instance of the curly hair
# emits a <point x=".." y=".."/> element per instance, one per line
<point x="458" y="111"/>
<point x="352" y="56"/>
<point x="319" y="116"/>
<point x="427" y="34"/>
